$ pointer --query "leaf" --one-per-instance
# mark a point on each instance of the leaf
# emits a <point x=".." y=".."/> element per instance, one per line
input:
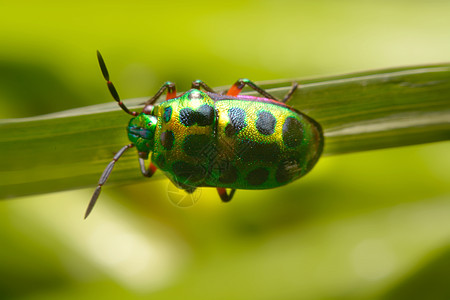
<point x="358" y="112"/>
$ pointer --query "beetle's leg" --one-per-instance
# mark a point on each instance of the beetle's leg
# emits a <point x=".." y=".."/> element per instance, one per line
<point x="239" y="85"/>
<point x="105" y="177"/>
<point x="224" y="196"/>
<point x="291" y="92"/>
<point x="185" y="187"/>
<point x="147" y="172"/>
<point x="197" y="84"/>
<point x="171" y="92"/>
<point x="111" y="87"/>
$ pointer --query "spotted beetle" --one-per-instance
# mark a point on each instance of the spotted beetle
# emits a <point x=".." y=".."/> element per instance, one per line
<point x="205" y="139"/>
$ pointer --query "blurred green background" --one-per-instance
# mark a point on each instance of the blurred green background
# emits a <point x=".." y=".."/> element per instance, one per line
<point x="371" y="225"/>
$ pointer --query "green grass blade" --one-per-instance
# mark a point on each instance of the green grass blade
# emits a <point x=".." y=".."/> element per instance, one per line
<point x="358" y="112"/>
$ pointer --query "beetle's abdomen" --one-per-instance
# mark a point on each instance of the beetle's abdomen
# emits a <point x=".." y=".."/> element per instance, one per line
<point x="262" y="145"/>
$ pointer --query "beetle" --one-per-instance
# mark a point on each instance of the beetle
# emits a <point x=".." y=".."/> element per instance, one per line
<point x="205" y="139"/>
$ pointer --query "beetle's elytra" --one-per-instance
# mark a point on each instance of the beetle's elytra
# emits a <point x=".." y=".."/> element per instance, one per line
<point x="205" y="139"/>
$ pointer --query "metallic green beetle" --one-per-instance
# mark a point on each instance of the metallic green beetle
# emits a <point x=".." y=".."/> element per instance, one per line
<point x="206" y="139"/>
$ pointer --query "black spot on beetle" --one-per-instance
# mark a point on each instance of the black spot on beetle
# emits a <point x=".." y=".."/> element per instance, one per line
<point x="249" y="150"/>
<point x="265" y="123"/>
<point x="188" y="117"/>
<point x="167" y="114"/>
<point x="237" y="121"/>
<point x="292" y="132"/>
<point x="258" y="176"/>
<point x="186" y="172"/>
<point x="228" y="173"/>
<point x="230" y="130"/>
<point x="160" y="162"/>
<point x="287" y="170"/>
<point x="195" y="144"/>
<point x="167" y="138"/>
<point x="205" y="115"/>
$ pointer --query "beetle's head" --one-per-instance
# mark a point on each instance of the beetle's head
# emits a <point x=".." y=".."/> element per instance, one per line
<point x="141" y="132"/>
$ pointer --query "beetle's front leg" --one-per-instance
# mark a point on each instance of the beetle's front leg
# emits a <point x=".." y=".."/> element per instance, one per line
<point x="147" y="172"/>
<point x="197" y="84"/>
<point x="171" y="93"/>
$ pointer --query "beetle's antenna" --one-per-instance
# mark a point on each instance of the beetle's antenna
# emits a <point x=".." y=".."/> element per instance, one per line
<point x="111" y="87"/>
<point x="290" y="93"/>
<point x="105" y="177"/>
